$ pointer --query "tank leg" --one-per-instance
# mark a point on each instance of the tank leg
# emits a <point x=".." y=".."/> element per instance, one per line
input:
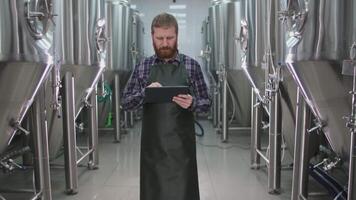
<point x="225" y="126"/>
<point x="297" y="145"/>
<point x="40" y="139"/>
<point x="69" y="135"/>
<point x="218" y="113"/>
<point x="215" y="107"/>
<point x="255" y="132"/>
<point x="116" y="106"/>
<point x="93" y="131"/>
<point x="304" y="153"/>
<point x="274" y="166"/>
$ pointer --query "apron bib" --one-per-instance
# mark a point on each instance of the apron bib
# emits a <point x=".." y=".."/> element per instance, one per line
<point x="168" y="168"/>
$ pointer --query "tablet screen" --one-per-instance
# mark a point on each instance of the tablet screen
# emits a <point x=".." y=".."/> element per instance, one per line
<point x="164" y="94"/>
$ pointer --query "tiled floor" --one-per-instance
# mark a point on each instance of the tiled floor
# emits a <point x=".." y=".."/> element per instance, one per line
<point x="224" y="171"/>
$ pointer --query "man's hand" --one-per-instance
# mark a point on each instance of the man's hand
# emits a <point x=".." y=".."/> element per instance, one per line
<point x="183" y="100"/>
<point x="155" y="84"/>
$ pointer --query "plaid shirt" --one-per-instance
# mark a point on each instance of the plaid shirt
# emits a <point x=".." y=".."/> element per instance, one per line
<point x="134" y="92"/>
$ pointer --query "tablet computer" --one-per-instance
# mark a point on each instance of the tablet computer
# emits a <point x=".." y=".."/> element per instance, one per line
<point x="164" y="94"/>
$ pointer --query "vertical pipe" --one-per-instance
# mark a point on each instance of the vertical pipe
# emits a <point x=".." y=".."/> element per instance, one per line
<point x="215" y="106"/>
<point x="116" y="106"/>
<point x="27" y="158"/>
<point x="70" y="155"/>
<point x="352" y="161"/>
<point x="224" y="111"/>
<point x="352" y="168"/>
<point x="93" y="131"/>
<point x="131" y="118"/>
<point x="219" y="96"/>
<point x="274" y="169"/>
<point x="40" y="138"/>
<point x="297" y="145"/>
<point x="255" y="131"/>
<point x="126" y="119"/>
<point x="304" y="157"/>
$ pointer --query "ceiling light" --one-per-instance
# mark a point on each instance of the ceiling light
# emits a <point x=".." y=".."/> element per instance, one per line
<point x="178" y="7"/>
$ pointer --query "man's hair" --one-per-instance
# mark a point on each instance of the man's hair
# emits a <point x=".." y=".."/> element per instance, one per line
<point x="164" y="20"/>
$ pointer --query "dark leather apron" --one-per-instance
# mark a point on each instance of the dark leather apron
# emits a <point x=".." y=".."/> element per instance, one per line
<point x="168" y="153"/>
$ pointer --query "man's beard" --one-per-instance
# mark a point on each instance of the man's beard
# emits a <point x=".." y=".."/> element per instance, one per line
<point x="165" y="52"/>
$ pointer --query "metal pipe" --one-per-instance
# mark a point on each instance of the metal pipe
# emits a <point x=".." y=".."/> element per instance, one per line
<point x="321" y="30"/>
<point x="255" y="132"/>
<point x="91" y="88"/>
<point x="24" y="110"/>
<point x="131" y="119"/>
<point x="352" y="162"/>
<point x="297" y="145"/>
<point x="301" y="197"/>
<point x="215" y="107"/>
<point x="84" y="156"/>
<point x="48" y="68"/>
<point x="38" y="195"/>
<point x="93" y="131"/>
<point x="102" y="84"/>
<point x="352" y="168"/>
<point x="274" y="169"/>
<point x="40" y="139"/>
<point x="238" y="128"/>
<point x="215" y="103"/>
<point x="255" y="90"/>
<point x="224" y="106"/>
<point x="319" y="194"/>
<point x="126" y="119"/>
<point x="219" y="96"/>
<point x="100" y="39"/>
<point x="262" y="156"/>
<point x="304" y="157"/>
<point x="69" y="133"/>
<point x="27" y="157"/>
<point x="56" y="84"/>
<point x="304" y="92"/>
<point x="10" y="190"/>
<point x="116" y="106"/>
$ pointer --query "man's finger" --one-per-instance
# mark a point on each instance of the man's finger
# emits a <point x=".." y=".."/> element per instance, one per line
<point x="183" y="102"/>
<point x="185" y="96"/>
<point x="155" y="84"/>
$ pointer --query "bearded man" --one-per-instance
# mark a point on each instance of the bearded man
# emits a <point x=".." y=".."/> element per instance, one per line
<point x="168" y="168"/>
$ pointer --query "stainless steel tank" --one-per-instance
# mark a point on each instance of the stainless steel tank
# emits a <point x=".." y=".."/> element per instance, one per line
<point x="261" y="37"/>
<point x="227" y="55"/>
<point x="316" y="65"/>
<point x="79" y="42"/>
<point x="26" y="58"/>
<point x="138" y="32"/>
<point x="135" y="39"/>
<point x="119" y="17"/>
<point x="79" y="47"/>
<point x="253" y="42"/>
<point x="141" y="31"/>
<point x="205" y="53"/>
<point x="214" y="17"/>
<point x="125" y="30"/>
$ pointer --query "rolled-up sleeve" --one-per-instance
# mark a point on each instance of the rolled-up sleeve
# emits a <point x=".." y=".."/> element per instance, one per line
<point x="201" y="100"/>
<point x="134" y="92"/>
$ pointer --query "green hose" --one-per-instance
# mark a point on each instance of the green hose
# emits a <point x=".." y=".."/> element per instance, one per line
<point x="107" y="93"/>
<point x="108" y="122"/>
<point x="106" y="97"/>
